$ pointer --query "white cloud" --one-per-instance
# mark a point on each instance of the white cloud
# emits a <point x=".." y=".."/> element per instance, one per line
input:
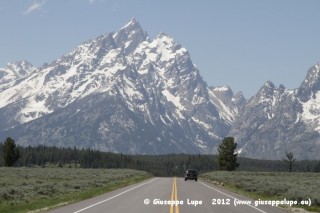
<point x="91" y="1"/>
<point x="35" y="6"/>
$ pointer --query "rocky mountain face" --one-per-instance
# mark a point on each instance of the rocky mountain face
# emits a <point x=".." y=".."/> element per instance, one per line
<point x="277" y="120"/>
<point x="124" y="92"/>
<point x="120" y="92"/>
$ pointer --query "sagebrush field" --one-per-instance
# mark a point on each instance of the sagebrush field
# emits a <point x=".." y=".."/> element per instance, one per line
<point x="25" y="189"/>
<point x="272" y="185"/>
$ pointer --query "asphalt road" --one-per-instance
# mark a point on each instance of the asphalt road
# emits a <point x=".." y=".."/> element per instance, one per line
<point x="157" y="194"/>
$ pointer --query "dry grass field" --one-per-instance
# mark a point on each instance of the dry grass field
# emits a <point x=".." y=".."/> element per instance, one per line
<point x="26" y="189"/>
<point x="272" y="185"/>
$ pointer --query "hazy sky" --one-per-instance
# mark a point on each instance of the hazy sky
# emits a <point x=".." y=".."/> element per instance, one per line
<point x="240" y="43"/>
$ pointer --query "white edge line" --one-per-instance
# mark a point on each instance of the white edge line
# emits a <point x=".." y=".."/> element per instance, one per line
<point x="110" y="198"/>
<point x="231" y="196"/>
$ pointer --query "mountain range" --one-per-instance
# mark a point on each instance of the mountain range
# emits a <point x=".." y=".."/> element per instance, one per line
<point x="124" y="92"/>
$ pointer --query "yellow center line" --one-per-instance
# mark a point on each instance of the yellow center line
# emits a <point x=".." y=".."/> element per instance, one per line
<point x="174" y="196"/>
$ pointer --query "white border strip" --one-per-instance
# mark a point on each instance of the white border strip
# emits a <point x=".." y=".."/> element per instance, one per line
<point x="230" y="196"/>
<point x="110" y="198"/>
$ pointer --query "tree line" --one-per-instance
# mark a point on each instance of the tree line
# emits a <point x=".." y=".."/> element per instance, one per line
<point x="158" y="165"/>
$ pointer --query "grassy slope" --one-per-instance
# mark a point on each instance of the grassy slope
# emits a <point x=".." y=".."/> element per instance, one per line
<point x="26" y="189"/>
<point x="272" y="185"/>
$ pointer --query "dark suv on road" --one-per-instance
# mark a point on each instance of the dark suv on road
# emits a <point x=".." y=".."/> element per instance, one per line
<point x="191" y="174"/>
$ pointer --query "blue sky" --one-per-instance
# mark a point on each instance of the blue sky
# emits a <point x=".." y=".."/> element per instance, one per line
<point x="240" y="43"/>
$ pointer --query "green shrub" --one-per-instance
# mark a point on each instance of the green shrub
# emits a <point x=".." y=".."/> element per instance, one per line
<point x="32" y="188"/>
<point x="292" y="186"/>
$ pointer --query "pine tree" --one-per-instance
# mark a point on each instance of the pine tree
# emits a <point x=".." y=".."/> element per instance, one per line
<point x="290" y="160"/>
<point x="227" y="155"/>
<point x="10" y="152"/>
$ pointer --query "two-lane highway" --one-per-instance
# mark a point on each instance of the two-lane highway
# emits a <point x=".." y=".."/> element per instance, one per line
<point x="173" y="195"/>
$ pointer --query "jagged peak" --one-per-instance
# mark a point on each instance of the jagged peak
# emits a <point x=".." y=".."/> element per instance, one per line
<point x="312" y="77"/>
<point x="239" y="95"/>
<point x="16" y="70"/>
<point x="221" y="89"/>
<point x="282" y="87"/>
<point x="130" y="35"/>
<point x="165" y="39"/>
<point x="163" y="34"/>
<point x="133" y="22"/>
<point x="311" y="84"/>
<point x="266" y="90"/>
<point x="239" y="99"/>
<point x="21" y="68"/>
<point x="132" y="26"/>
<point x="22" y="64"/>
<point x="269" y="84"/>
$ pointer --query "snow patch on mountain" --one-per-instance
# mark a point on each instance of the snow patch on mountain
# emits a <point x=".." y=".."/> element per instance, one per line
<point x="311" y="111"/>
<point x="175" y="100"/>
<point x="33" y="110"/>
<point x="226" y="102"/>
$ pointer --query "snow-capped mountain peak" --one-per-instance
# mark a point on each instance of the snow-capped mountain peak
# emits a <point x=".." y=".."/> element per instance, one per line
<point x="226" y="102"/>
<point x="278" y="120"/>
<point x="14" y="71"/>
<point x="130" y="36"/>
<point x="127" y="83"/>
<point x="22" y="68"/>
<point x="124" y="92"/>
<point x="133" y="23"/>
<point x="311" y="84"/>
<point x="313" y="77"/>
